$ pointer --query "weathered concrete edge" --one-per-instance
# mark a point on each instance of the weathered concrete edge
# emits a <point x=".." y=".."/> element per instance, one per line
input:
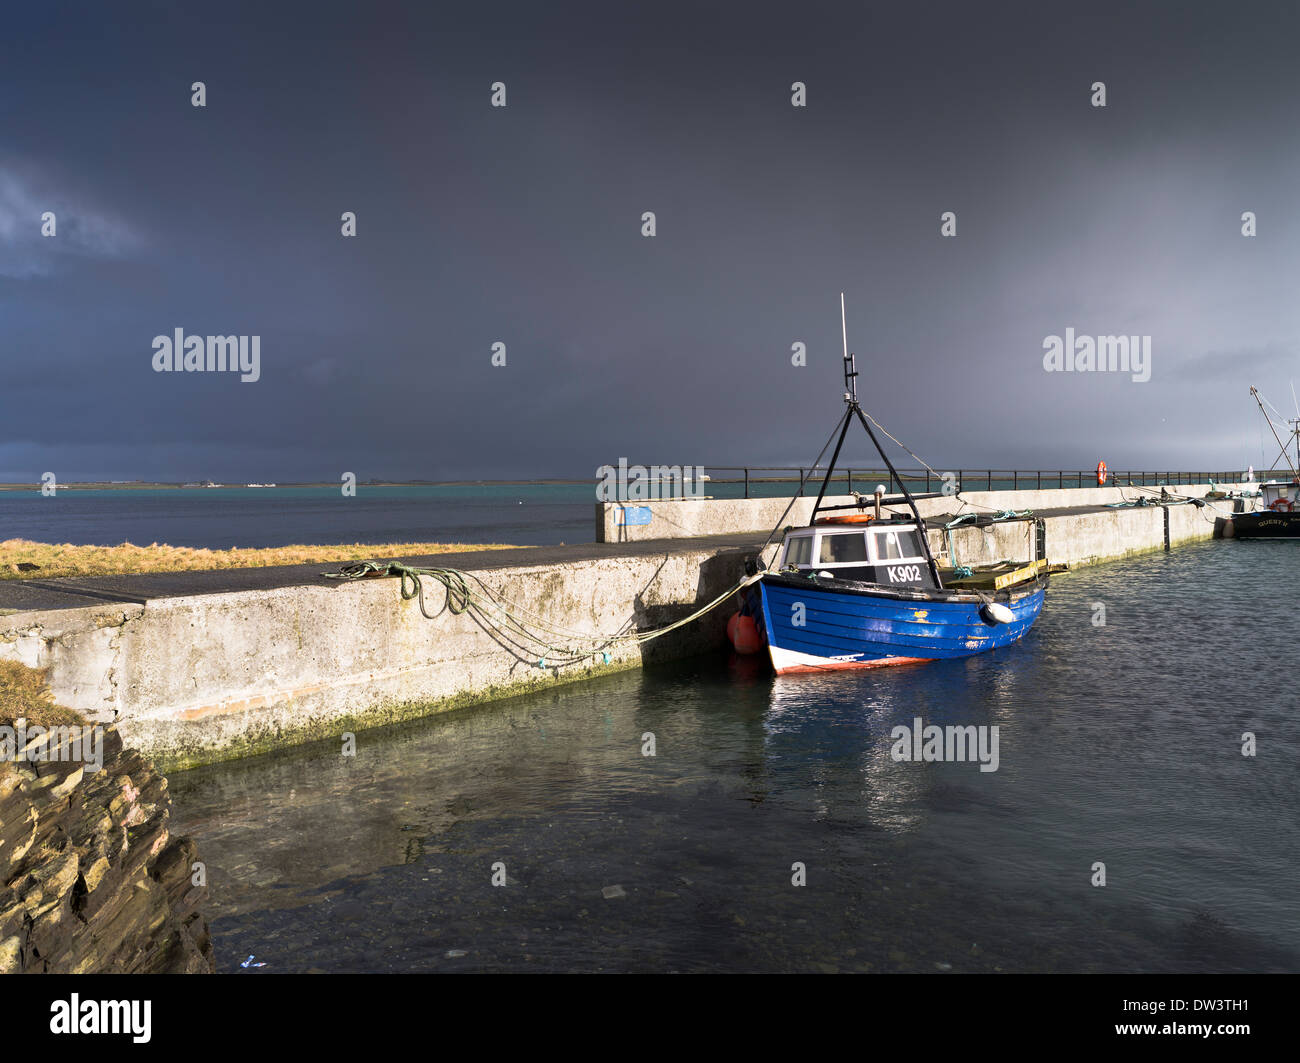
<point x="270" y="738"/>
<point x="225" y="675"/>
<point x="264" y="740"/>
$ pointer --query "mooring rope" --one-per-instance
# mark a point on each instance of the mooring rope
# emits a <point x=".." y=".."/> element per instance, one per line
<point x="961" y="520"/>
<point x="1000" y="515"/>
<point x="466" y="593"/>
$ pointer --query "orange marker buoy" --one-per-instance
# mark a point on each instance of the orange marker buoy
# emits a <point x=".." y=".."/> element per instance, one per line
<point x="746" y="638"/>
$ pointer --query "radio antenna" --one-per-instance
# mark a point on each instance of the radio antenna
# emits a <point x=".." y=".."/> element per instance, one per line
<point x="850" y="371"/>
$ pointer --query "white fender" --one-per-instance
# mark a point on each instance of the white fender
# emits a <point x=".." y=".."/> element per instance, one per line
<point x="996" y="613"/>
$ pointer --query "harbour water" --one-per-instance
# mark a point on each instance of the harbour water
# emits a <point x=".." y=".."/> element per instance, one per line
<point x="219" y="518"/>
<point x="1120" y="744"/>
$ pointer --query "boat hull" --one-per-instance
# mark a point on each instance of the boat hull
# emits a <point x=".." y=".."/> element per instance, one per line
<point x="812" y="627"/>
<point x="1264" y="524"/>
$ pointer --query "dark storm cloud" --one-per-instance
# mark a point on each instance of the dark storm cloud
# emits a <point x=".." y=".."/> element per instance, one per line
<point x="521" y="225"/>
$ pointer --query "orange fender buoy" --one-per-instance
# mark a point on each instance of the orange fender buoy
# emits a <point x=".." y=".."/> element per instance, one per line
<point x="731" y="626"/>
<point x="746" y="638"/>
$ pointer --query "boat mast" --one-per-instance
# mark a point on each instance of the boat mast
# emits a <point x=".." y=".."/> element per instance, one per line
<point x="851" y="400"/>
<point x="1295" y="423"/>
<point x="1285" y="452"/>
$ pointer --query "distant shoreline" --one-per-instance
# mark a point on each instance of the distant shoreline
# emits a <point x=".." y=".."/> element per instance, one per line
<point x="148" y="486"/>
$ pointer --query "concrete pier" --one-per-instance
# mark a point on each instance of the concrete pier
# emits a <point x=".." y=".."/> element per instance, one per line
<point x="679" y="518"/>
<point x="1080" y="525"/>
<point x="202" y="666"/>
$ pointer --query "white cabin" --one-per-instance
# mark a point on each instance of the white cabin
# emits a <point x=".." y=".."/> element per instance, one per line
<point x="883" y="552"/>
<point x="1279" y="494"/>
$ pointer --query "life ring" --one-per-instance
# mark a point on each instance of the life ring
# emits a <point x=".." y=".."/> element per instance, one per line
<point x="1277" y="504"/>
<point x="1101" y="474"/>
<point x="848" y="518"/>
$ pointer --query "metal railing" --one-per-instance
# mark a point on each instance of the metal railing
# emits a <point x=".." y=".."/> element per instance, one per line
<point x="922" y="480"/>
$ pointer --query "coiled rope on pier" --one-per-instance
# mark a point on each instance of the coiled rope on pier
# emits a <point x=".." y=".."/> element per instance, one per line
<point x="1000" y="515"/>
<point x="550" y="644"/>
<point x="963" y="571"/>
<point x="1167" y="498"/>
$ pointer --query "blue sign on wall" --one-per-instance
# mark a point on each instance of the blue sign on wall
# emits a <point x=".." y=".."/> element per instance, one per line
<point x="630" y="515"/>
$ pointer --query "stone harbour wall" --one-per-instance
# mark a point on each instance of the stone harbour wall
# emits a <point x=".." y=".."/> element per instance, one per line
<point x="91" y="878"/>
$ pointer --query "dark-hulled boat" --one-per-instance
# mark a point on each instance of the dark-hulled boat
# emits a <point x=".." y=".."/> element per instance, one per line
<point x="1277" y="515"/>
<point x="861" y="589"/>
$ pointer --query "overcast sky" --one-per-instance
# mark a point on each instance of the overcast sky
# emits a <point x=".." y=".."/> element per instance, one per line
<point x="523" y="225"/>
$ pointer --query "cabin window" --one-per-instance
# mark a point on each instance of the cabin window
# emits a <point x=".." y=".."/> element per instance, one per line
<point x="893" y="545"/>
<point x="799" y="551"/>
<point x="843" y="549"/>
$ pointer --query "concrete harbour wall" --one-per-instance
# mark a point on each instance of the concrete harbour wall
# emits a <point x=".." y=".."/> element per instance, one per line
<point x="1079" y="538"/>
<point x="213" y="676"/>
<point x="721" y="516"/>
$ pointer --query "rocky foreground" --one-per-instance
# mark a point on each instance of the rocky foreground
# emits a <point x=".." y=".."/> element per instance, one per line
<point x="91" y="878"/>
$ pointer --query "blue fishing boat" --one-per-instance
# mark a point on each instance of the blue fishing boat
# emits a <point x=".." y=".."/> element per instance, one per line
<point x="858" y="587"/>
<point x="817" y="620"/>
